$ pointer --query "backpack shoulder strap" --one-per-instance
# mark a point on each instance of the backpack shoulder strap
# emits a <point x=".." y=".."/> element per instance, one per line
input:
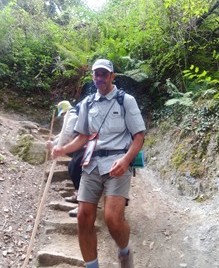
<point x="90" y="100"/>
<point x="77" y="107"/>
<point x="120" y="96"/>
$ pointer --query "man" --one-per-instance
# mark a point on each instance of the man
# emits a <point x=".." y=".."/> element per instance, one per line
<point x="119" y="131"/>
<point x="74" y="166"/>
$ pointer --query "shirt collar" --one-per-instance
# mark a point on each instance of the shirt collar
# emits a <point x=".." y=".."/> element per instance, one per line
<point x="109" y="96"/>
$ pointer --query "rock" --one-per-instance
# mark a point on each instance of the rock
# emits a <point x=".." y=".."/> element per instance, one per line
<point x="29" y="124"/>
<point x="29" y="150"/>
<point x="36" y="154"/>
<point x="183" y="265"/>
<point x="4" y="253"/>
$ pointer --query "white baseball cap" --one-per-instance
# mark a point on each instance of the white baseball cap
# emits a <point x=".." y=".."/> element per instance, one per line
<point x="103" y="63"/>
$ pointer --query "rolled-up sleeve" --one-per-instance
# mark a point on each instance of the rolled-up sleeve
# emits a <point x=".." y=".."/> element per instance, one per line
<point x="133" y="117"/>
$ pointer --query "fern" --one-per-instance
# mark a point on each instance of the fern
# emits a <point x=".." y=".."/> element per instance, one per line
<point x="179" y="98"/>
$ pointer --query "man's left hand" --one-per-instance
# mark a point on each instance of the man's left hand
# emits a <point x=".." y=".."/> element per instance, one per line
<point x="119" y="168"/>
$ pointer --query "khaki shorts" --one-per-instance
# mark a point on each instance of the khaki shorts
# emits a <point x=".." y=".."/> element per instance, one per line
<point x="93" y="185"/>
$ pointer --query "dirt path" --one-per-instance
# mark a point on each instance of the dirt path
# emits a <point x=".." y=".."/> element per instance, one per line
<point x="167" y="230"/>
<point x="171" y="230"/>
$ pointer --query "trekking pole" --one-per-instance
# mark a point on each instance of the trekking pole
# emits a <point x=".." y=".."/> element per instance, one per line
<point x="47" y="156"/>
<point x="50" y="135"/>
<point x="39" y="210"/>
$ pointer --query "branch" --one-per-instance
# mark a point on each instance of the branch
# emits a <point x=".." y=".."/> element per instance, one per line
<point x="205" y="15"/>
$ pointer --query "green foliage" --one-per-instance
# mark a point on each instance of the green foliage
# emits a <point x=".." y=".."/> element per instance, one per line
<point x="31" y="66"/>
<point x="150" y="141"/>
<point x="202" y="119"/>
<point x="194" y="73"/>
<point x="26" y="56"/>
<point x="4" y="70"/>
<point x="179" y="155"/>
<point x="179" y="98"/>
<point x="45" y="42"/>
<point x="169" y="116"/>
<point x="193" y="8"/>
<point x="202" y="82"/>
<point x="184" y="100"/>
<point x="188" y="155"/>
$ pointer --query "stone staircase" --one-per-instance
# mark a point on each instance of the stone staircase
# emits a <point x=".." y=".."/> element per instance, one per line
<point x="57" y="241"/>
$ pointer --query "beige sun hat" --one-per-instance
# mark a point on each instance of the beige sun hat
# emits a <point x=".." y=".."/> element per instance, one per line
<point x="63" y="107"/>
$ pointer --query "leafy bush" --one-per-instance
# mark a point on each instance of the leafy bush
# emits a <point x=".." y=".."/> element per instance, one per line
<point x="43" y="43"/>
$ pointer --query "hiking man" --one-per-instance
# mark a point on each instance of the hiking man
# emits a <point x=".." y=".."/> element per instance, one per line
<point x="74" y="166"/>
<point x="113" y="134"/>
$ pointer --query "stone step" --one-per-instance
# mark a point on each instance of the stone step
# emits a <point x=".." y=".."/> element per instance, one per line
<point x="63" y="184"/>
<point x="44" y="131"/>
<point x="63" y="160"/>
<point x="59" y="174"/>
<point x="59" y="244"/>
<point x="60" y="249"/>
<point x="60" y="222"/>
<point x="68" y="183"/>
<point x="62" y="205"/>
<point x="67" y="188"/>
<point x="101" y="265"/>
<point x="68" y="192"/>
<point x="62" y="265"/>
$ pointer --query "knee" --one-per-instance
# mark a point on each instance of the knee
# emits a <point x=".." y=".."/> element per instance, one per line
<point x="86" y="219"/>
<point x="113" y="222"/>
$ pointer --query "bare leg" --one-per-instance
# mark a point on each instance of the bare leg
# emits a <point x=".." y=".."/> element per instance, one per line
<point x="115" y="219"/>
<point x="86" y="231"/>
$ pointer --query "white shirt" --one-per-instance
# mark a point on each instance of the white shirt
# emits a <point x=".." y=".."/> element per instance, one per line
<point x="69" y="133"/>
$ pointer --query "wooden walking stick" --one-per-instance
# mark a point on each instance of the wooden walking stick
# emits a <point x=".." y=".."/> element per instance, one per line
<point x="50" y="135"/>
<point x="47" y="156"/>
<point x="40" y="208"/>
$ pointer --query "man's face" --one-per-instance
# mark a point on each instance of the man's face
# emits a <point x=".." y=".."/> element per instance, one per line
<point x="103" y="80"/>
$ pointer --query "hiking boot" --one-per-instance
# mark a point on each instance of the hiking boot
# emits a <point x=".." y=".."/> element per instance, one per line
<point x="73" y="212"/>
<point x="72" y="199"/>
<point x="126" y="261"/>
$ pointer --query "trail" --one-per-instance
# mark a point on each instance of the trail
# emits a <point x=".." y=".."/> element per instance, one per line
<point x="167" y="230"/>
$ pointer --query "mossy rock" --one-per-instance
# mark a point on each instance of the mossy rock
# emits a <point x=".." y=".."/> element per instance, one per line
<point x="188" y="156"/>
<point x="179" y="155"/>
<point x="29" y="150"/>
<point x="196" y="170"/>
<point x="150" y="141"/>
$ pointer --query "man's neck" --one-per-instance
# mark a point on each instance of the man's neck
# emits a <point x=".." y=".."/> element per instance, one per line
<point x="106" y="91"/>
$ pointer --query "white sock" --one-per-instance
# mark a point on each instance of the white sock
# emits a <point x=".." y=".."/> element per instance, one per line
<point x="92" y="264"/>
<point x="123" y="251"/>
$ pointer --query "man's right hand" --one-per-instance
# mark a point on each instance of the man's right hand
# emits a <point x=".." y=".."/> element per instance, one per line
<point x="49" y="145"/>
<point x="56" y="152"/>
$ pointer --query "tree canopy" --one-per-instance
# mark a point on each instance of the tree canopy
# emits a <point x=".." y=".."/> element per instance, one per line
<point x="46" y="43"/>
